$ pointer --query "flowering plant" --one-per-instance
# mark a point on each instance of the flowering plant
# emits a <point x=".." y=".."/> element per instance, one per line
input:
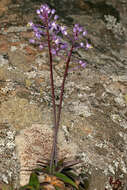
<point x="57" y="39"/>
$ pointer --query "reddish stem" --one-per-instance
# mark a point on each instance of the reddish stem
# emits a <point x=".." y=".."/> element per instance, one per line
<point x="60" y="105"/>
<point x="56" y="123"/>
<point x="53" y="96"/>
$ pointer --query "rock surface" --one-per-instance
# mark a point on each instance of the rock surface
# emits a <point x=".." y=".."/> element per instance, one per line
<point x="94" y="115"/>
<point x="4" y="6"/>
<point x="36" y="145"/>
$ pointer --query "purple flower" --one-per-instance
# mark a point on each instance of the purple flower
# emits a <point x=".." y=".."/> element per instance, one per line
<point x="32" y="41"/>
<point x="84" y="33"/>
<point x="34" y="28"/>
<point x="41" y="46"/>
<point x="64" y="46"/>
<point x="81" y="44"/>
<point x="41" y="17"/>
<point x="88" y="46"/>
<point x="56" y="17"/>
<point x="63" y="30"/>
<point x="83" y="64"/>
<point x="53" y="25"/>
<point x="30" y="23"/>
<point x="76" y="31"/>
<point x="53" y="11"/>
<point x="57" y="41"/>
<point x="38" y="35"/>
<point x="77" y="28"/>
<point x="53" y="51"/>
<point x="44" y="12"/>
<point x="45" y="9"/>
<point x="38" y="11"/>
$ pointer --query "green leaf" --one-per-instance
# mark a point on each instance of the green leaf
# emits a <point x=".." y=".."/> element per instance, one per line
<point x="61" y="162"/>
<point x="47" y="169"/>
<point x="6" y="187"/>
<point x="60" y="165"/>
<point x="38" y="170"/>
<point x="34" y="181"/>
<point x="66" y="179"/>
<point x="81" y="188"/>
<point x="71" y="175"/>
<point x="57" y="188"/>
<point x="86" y="183"/>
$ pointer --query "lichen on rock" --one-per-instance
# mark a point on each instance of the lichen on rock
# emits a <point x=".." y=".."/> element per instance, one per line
<point x="9" y="165"/>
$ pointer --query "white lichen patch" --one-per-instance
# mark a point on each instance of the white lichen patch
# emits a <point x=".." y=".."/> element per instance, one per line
<point x="112" y="24"/>
<point x="81" y="108"/>
<point x="3" y="61"/>
<point x="120" y="100"/>
<point x="118" y="119"/>
<point x="101" y="145"/>
<point x="123" y="166"/>
<point x="124" y="136"/>
<point x="9" y="166"/>
<point x="111" y="169"/>
<point x="31" y="74"/>
<point x="66" y="133"/>
<point x="17" y="29"/>
<point x="9" y="87"/>
<point x="13" y="48"/>
<point x="10" y="145"/>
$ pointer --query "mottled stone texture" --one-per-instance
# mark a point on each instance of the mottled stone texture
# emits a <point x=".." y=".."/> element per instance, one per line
<point x="35" y="143"/>
<point x="9" y="164"/>
<point x="4" y="6"/>
<point x="94" y="114"/>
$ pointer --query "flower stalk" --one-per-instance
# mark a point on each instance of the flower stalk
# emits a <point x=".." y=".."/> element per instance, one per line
<point x="54" y="146"/>
<point x="51" y="76"/>
<point x="60" y="108"/>
<point x="56" y="45"/>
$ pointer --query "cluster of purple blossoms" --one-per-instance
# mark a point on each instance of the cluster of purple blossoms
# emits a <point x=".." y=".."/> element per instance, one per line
<point x="56" y="33"/>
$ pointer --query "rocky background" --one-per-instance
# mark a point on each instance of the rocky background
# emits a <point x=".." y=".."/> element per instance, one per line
<point x="94" y="116"/>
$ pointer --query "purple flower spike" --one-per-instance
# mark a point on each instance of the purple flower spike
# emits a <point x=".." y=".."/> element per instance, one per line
<point x="46" y="9"/>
